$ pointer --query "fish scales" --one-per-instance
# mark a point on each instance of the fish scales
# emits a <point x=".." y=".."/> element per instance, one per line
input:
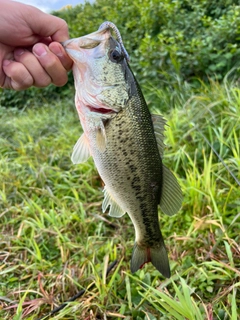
<point x="121" y="168"/>
<point x="125" y="141"/>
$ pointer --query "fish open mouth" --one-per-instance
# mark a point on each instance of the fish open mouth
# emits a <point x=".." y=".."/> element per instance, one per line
<point x="100" y="110"/>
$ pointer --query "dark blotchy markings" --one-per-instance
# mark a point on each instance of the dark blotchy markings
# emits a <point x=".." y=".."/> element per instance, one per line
<point x="151" y="227"/>
<point x="120" y="132"/>
<point x="133" y="168"/>
<point x="155" y="190"/>
<point x="128" y="148"/>
<point x="115" y="159"/>
<point x="135" y="183"/>
<point x="136" y="179"/>
<point x="143" y="207"/>
<point x="136" y="187"/>
<point x="150" y="220"/>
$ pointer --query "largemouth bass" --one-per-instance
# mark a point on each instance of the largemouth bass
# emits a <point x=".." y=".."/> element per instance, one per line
<point x="125" y="141"/>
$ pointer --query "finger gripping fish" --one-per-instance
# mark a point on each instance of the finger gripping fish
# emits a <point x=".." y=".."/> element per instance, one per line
<point x="125" y="141"/>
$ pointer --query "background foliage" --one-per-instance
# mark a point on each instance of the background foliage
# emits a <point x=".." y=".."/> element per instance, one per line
<point x="185" y="38"/>
<point x="190" y="38"/>
<point x="55" y="240"/>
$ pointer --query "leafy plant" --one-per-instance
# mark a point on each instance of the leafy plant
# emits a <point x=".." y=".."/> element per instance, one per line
<point x="55" y="241"/>
<point x="167" y="40"/>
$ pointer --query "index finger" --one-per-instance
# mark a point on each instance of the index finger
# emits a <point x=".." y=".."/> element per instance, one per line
<point x="47" y="25"/>
<point x="59" y="51"/>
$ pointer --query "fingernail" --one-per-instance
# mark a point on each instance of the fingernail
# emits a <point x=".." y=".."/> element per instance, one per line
<point x="19" y="51"/>
<point x="57" y="51"/>
<point x="39" y="50"/>
<point x="6" y="62"/>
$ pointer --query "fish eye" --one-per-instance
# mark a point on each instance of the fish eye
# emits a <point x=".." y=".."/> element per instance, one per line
<point x="116" y="56"/>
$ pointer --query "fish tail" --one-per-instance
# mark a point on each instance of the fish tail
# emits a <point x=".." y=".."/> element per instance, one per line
<point x="156" y="255"/>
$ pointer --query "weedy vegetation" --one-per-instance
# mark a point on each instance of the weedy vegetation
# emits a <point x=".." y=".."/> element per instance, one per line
<point x="54" y="239"/>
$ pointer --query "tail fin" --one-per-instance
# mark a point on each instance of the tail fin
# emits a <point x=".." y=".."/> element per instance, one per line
<point x="157" y="255"/>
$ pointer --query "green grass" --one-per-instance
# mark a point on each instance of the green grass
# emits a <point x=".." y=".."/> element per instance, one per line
<point x="55" y="240"/>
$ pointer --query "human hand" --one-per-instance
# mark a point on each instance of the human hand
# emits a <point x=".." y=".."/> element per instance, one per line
<point x="30" y="52"/>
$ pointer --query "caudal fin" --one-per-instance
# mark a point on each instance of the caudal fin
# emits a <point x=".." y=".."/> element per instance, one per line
<point x="157" y="255"/>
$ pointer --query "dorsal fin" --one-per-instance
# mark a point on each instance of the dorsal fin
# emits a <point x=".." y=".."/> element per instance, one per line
<point x="81" y="151"/>
<point x="115" y="209"/>
<point x="158" y="125"/>
<point x="171" y="197"/>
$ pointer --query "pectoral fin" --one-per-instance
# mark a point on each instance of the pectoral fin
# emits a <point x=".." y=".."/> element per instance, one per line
<point x="81" y="150"/>
<point x="171" y="197"/>
<point x="101" y="139"/>
<point x="158" y="124"/>
<point x="115" y="209"/>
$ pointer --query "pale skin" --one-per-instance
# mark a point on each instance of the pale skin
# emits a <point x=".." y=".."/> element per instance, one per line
<point x="31" y="53"/>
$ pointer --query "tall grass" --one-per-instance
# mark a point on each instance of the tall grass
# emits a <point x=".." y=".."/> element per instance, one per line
<point x="55" y="240"/>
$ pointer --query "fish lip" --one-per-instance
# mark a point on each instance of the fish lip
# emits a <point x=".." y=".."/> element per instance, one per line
<point x="67" y="42"/>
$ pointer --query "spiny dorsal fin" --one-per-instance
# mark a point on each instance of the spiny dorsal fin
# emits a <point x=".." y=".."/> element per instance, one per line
<point x="115" y="209"/>
<point x="81" y="150"/>
<point x="158" y="124"/>
<point x="171" y="198"/>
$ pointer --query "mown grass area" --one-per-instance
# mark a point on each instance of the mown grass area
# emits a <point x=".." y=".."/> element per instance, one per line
<point x="55" y="240"/>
